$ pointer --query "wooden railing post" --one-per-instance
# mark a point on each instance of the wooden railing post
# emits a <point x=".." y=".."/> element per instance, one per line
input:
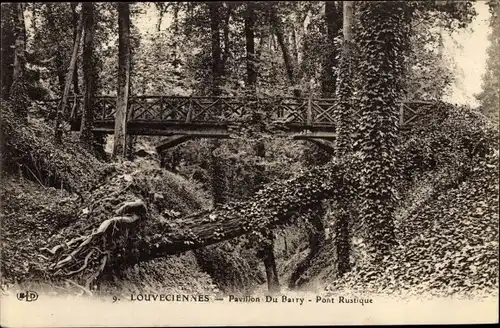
<point x="190" y="110"/>
<point x="401" y="114"/>
<point x="309" y="110"/>
<point x="309" y="104"/>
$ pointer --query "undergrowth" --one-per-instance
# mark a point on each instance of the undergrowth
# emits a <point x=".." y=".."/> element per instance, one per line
<point x="447" y="217"/>
<point x="28" y="149"/>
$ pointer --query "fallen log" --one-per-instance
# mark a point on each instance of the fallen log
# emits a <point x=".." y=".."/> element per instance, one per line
<point x="140" y="235"/>
<point x="275" y="204"/>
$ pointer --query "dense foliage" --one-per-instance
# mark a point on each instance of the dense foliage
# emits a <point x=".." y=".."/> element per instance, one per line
<point x="367" y="216"/>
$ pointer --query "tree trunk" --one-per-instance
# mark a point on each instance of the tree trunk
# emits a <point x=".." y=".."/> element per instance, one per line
<point x="162" y="10"/>
<point x="345" y="121"/>
<point x="75" y="22"/>
<point x="295" y="47"/>
<point x="250" y="48"/>
<point x="287" y="58"/>
<point x="381" y="76"/>
<point x="344" y="113"/>
<point x="18" y="93"/>
<point x="263" y="43"/>
<point x="301" y="30"/>
<point x="59" y="53"/>
<point x="216" y="47"/>
<point x="225" y="55"/>
<point x="266" y="251"/>
<point x="158" y="24"/>
<point x="89" y="77"/>
<point x="333" y="20"/>
<point x="333" y="17"/>
<point x="60" y="68"/>
<point x="62" y="111"/>
<point x="316" y="241"/>
<point x="8" y="45"/>
<point x="130" y="140"/>
<point x="217" y="172"/>
<point x="119" y="147"/>
<point x="266" y="254"/>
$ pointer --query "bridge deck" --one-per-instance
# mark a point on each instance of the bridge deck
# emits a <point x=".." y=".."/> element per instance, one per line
<point x="216" y="117"/>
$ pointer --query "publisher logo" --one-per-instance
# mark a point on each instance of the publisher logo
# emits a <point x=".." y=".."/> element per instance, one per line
<point x="28" y="296"/>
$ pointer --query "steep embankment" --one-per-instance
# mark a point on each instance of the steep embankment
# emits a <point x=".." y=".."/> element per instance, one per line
<point x="448" y="243"/>
<point x="49" y="190"/>
<point x="447" y="218"/>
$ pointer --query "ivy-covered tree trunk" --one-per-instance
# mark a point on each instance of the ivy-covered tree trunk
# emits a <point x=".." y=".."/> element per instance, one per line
<point x="70" y="75"/>
<point x="382" y="37"/>
<point x="89" y="77"/>
<point x="344" y="115"/>
<point x="18" y="93"/>
<point x="344" y="91"/>
<point x="119" y="147"/>
<point x="266" y="250"/>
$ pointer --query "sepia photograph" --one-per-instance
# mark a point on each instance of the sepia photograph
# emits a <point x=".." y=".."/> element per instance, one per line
<point x="249" y="163"/>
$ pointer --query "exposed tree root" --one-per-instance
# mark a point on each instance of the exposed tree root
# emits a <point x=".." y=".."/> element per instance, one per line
<point x="54" y="250"/>
<point x="134" y="208"/>
<point x="100" y="231"/>
<point x="84" y="265"/>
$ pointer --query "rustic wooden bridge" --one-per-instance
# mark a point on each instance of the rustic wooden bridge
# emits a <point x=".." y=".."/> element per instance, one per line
<point x="213" y="117"/>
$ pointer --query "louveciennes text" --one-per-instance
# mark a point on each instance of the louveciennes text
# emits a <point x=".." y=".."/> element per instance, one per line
<point x="169" y="298"/>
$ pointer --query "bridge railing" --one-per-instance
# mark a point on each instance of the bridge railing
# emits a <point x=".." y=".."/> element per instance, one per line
<point x="301" y="111"/>
<point x="212" y="110"/>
